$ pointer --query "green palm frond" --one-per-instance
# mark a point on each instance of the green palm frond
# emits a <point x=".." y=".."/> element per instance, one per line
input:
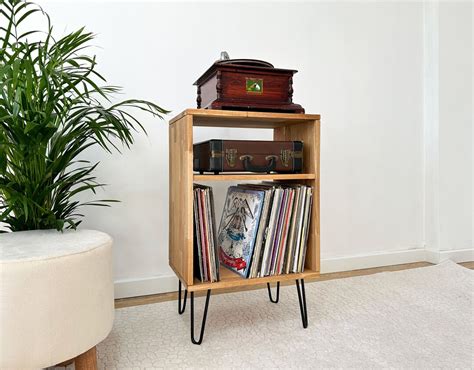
<point x="53" y="106"/>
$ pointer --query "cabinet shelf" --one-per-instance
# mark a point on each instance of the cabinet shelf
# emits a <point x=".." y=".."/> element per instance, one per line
<point x="241" y="119"/>
<point x="230" y="279"/>
<point x="254" y="177"/>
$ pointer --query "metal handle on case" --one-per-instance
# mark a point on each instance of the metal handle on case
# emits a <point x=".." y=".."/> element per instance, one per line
<point x="248" y="166"/>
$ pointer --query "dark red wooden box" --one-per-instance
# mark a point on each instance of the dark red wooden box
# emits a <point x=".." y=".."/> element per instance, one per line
<point x="247" y="84"/>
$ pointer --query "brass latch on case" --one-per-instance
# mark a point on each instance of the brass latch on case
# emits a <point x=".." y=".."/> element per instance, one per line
<point x="286" y="155"/>
<point x="230" y="157"/>
<point x="216" y="154"/>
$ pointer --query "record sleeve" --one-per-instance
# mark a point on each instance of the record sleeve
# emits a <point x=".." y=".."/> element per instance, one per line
<point x="238" y="228"/>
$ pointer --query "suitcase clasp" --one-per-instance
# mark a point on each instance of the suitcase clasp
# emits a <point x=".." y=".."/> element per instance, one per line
<point x="216" y="154"/>
<point x="286" y="156"/>
<point x="230" y="157"/>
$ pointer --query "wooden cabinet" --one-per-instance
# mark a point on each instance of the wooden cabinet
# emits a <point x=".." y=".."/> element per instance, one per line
<point x="304" y="127"/>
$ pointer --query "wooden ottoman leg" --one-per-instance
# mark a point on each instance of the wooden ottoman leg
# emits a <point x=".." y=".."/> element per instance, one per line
<point x="87" y="361"/>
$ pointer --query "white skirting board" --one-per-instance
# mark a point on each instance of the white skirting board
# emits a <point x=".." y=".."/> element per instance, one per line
<point x="457" y="255"/>
<point x="145" y="286"/>
<point x="365" y="261"/>
<point x="169" y="283"/>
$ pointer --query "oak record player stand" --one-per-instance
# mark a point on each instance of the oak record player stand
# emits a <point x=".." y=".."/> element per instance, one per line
<point x="285" y="126"/>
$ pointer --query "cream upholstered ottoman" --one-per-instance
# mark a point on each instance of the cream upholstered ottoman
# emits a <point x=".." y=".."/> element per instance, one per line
<point x="56" y="297"/>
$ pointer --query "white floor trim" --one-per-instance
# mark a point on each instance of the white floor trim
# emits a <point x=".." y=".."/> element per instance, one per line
<point x="169" y="283"/>
<point x="457" y="255"/>
<point x="145" y="286"/>
<point x="364" y="261"/>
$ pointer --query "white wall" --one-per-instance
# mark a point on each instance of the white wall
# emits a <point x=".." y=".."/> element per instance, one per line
<point x="455" y="125"/>
<point x="360" y="66"/>
<point x="448" y="131"/>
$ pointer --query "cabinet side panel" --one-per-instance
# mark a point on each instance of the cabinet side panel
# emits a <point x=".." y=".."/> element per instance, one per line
<point x="309" y="133"/>
<point x="181" y="198"/>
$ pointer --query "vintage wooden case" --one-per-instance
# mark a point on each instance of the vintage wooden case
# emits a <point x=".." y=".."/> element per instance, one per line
<point x="247" y="84"/>
<point x="248" y="156"/>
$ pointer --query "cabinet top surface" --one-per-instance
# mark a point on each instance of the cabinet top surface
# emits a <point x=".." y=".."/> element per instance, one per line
<point x="210" y="114"/>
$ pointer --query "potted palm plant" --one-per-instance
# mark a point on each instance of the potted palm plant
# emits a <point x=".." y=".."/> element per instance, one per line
<point x="53" y="106"/>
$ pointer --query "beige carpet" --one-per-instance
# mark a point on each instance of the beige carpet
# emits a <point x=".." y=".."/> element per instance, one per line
<point x="418" y="319"/>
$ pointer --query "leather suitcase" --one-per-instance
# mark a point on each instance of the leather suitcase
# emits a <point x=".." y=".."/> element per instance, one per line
<point x="248" y="156"/>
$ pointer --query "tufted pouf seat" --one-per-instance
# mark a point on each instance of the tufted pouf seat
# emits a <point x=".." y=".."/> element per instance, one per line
<point x="56" y="296"/>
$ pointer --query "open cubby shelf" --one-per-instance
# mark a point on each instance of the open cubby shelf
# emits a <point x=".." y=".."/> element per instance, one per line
<point x="230" y="279"/>
<point x="241" y="119"/>
<point x="285" y="126"/>
<point x="254" y="177"/>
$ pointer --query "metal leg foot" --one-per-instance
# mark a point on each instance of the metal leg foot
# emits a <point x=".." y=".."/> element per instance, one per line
<point x="183" y="308"/>
<point x="302" y="300"/>
<point x="277" y="293"/>
<point x="203" y="325"/>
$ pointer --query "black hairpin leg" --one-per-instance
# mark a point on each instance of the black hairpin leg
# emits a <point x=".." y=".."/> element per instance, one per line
<point x="302" y="300"/>
<point x="277" y="293"/>
<point x="181" y="309"/>
<point x="203" y="325"/>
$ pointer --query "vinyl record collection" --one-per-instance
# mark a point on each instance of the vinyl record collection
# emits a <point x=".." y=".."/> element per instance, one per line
<point x="263" y="231"/>
<point x="206" y="262"/>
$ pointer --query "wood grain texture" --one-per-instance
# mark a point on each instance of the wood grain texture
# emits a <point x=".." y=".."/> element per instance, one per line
<point x="253" y="177"/>
<point x="286" y="127"/>
<point x="226" y="86"/>
<point x="87" y="360"/>
<point x="230" y="279"/>
<point x="181" y="198"/>
<point x="275" y="87"/>
<point x="469" y="265"/>
<point x="229" y="118"/>
<point x="309" y="133"/>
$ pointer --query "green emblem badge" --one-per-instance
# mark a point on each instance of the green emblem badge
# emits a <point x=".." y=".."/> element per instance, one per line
<point x="254" y="85"/>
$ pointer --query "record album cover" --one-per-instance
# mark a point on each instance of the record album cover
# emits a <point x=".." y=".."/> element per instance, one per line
<point x="238" y="228"/>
